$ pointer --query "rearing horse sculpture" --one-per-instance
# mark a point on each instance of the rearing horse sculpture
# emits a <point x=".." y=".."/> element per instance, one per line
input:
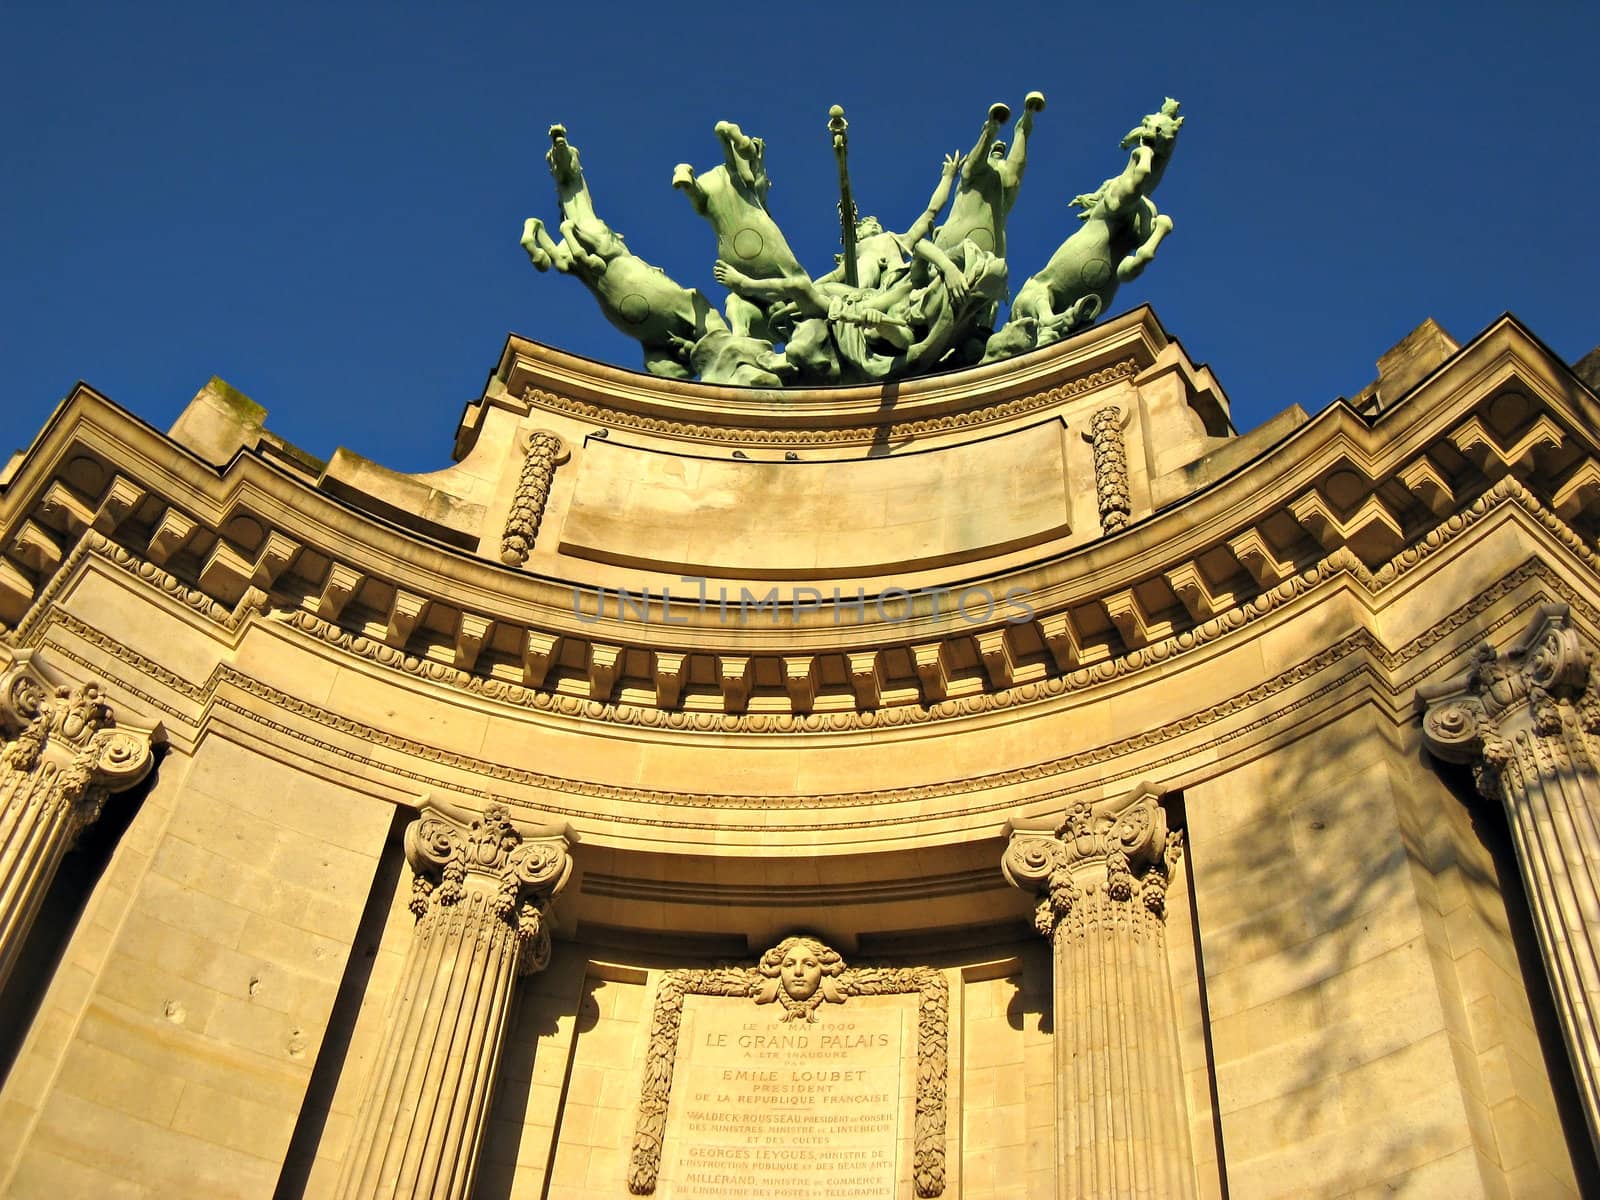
<point x="639" y="299"/>
<point x="1121" y="226"/>
<point x="906" y="305"/>
<point x="733" y="198"/>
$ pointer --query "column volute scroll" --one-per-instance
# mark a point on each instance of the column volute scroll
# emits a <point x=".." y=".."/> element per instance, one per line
<point x="482" y="887"/>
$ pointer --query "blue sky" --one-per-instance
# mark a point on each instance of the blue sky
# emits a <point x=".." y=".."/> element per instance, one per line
<point x="321" y="204"/>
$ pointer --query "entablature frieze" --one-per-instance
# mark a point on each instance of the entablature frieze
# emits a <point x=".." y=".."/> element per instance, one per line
<point x="566" y="697"/>
<point x="882" y="814"/>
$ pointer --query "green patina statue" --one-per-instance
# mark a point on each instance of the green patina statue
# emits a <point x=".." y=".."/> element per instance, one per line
<point x="1121" y="230"/>
<point x="641" y="300"/>
<point x="906" y="304"/>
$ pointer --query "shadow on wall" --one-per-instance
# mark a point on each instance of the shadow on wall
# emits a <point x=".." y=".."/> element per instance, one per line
<point x="534" y="1030"/>
<point x="324" y="1082"/>
<point x="1318" y="975"/>
<point x="1302" y="986"/>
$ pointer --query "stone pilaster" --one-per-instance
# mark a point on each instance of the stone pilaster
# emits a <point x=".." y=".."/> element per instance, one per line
<point x="64" y="754"/>
<point x="1526" y="721"/>
<point x="482" y="887"/>
<point x="1122" y="1126"/>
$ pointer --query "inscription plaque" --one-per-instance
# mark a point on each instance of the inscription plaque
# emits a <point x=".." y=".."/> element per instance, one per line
<point x="789" y="1112"/>
<point x="806" y="1101"/>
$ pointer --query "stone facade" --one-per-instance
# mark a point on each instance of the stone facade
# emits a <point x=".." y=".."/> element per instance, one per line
<point x="1011" y="783"/>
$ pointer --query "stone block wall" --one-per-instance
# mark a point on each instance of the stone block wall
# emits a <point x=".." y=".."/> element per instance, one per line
<point x="1324" y="873"/>
<point x="175" y="1046"/>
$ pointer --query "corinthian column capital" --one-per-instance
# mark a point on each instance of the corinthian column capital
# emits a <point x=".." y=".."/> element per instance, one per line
<point x="63" y="753"/>
<point x="482" y="892"/>
<point x="1120" y="848"/>
<point x="1101" y="874"/>
<point x="1538" y="687"/>
<point x="71" y="734"/>
<point x="520" y="867"/>
<point x="1526" y="721"/>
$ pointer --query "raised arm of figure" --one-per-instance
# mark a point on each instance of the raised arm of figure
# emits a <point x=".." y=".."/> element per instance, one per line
<point x="797" y="288"/>
<point x="977" y="160"/>
<point x="955" y="281"/>
<point x="1017" y="157"/>
<point x="930" y="216"/>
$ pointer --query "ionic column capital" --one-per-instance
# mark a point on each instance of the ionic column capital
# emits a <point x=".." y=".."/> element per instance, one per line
<point x="1526" y="721"/>
<point x="62" y="753"/>
<point x="521" y="867"/>
<point x="1101" y="874"/>
<point x="482" y="891"/>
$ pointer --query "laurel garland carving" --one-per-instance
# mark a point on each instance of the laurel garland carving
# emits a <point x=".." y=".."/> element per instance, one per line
<point x="836" y="985"/>
<point x="621" y="418"/>
<point x="546" y="451"/>
<point x="1110" y="468"/>
<point x="666" y="1019"/>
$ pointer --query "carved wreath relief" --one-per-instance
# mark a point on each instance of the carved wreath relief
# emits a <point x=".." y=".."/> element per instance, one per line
<point x="799" y="975"/>
<point x="546" y="452"/>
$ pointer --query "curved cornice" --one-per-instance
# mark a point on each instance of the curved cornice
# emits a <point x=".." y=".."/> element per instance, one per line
<point x="549" y="378"/>
<point x="1507" y="495"/>
<point x="1336" y="494"/>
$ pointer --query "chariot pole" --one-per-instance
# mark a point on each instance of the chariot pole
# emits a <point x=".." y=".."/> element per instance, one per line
<point x="837" y="125"/>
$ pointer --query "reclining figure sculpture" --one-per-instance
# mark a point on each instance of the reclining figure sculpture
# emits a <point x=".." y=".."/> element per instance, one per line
<point x="916" y="302"/>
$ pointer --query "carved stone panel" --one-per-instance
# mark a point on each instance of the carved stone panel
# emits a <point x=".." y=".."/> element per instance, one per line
<point x="792" y="1078"/>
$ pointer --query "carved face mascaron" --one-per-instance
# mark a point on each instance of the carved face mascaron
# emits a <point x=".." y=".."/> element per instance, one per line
<point x="800" y="972"/>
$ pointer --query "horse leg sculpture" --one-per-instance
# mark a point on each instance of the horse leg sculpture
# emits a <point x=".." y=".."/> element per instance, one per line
<point x="1159" y="225"/>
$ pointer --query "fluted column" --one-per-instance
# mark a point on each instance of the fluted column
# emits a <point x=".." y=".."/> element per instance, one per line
<point x="1526" y="721"/>
<point x="63" y="756"/>
<point x="1122" y="1124"/>
<point x="481" y="892"/>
